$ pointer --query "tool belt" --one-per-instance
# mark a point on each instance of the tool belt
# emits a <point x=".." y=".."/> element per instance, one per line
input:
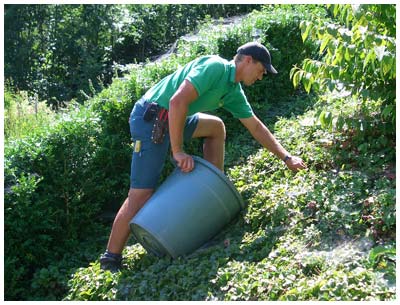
<point x="160" y="127"/>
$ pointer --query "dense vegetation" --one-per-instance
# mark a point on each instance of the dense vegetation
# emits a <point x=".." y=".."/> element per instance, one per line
<point x="63" y="50"/>
<point x="326" y="233"/>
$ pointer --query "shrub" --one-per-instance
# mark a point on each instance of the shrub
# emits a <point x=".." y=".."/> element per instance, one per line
<point x="24" y="115"/>
<point x="50" y="197"/>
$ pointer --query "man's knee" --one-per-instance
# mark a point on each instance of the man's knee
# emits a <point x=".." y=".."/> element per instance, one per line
<point x="210" y="126"/>
<point x="138" y="197"/>
<point x="219" y="128"/>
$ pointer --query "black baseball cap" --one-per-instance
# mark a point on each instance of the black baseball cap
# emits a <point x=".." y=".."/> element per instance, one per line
<point x="259" y="53"/>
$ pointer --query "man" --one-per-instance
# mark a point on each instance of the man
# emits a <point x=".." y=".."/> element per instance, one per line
<point x="204" y="84"/>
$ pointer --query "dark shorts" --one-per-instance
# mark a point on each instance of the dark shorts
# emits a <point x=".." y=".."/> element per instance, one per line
<point x="148" y="158"/>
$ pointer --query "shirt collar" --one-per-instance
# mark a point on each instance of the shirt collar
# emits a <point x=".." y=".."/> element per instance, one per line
<point x="232" y="71"/>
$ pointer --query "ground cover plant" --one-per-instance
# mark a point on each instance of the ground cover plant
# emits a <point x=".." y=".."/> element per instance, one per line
<point x="324" y="234"/>
<point x="327" y="233"/>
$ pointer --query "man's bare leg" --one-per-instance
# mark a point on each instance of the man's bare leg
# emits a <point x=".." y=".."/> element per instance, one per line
<point x="120" y="230"/>
<point x="212" y="129"/>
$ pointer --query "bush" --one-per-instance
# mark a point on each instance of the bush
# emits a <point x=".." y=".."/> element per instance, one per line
<point x="24" y="115"/>
<point x="50" y="199"/>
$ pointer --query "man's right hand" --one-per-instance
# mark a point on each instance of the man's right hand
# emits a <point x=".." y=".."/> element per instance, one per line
<point x="184" y="161"/>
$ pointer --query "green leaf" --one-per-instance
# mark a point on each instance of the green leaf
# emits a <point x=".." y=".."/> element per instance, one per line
<point x="387" y="64"/>
<point x="325" y="118"/>
<point x="332" y="30"/>
<point x="296" y="78"/>
<point x="347" y="55"/>
<point x="380" y="52"/>
<point x="340" y="122"/>
<point x="335" y="72"/>
<point x="388" y="111"/>
<point x="324" y="43"/>
<point x="378" y="252"/>
<point x="369" y="58"/>
<point x="305" y="29"/>
<point x="307" y="82"/>
<point x="345" y="34"/>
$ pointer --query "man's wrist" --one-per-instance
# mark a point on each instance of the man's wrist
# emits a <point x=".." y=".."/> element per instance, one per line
<point x="287" y="157"/>
<point x="177" y="151"/>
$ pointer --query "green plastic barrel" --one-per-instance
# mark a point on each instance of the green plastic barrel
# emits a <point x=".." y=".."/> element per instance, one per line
<point x="186" y="211"/>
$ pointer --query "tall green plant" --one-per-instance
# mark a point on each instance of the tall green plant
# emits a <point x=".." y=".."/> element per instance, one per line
<point x="358" y="56"/>
<point x="24" y="115"/>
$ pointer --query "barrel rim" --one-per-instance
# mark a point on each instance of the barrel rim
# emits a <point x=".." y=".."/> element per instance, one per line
<point x="221" y="175"/>
<point x="167" y="250"/>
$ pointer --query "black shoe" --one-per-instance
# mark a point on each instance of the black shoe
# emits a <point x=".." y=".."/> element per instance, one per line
<point x="111" y="262"/>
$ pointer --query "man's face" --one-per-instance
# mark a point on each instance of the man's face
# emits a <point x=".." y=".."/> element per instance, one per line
<point x="254" y="71"/>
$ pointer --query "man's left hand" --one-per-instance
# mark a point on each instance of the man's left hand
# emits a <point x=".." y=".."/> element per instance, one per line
<point x="295" y="164"/>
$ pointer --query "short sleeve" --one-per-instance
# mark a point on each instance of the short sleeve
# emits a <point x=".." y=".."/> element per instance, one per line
<point x="206" y="75"/>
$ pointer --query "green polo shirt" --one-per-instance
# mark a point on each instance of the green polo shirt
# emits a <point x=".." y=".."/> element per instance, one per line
<point x="214" y="80"/>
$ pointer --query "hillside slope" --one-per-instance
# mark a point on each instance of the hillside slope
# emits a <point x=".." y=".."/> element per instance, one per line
<point x="304" y="236"/>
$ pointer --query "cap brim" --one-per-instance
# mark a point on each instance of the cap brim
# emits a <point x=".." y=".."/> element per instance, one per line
<point x="270" y="69"/>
